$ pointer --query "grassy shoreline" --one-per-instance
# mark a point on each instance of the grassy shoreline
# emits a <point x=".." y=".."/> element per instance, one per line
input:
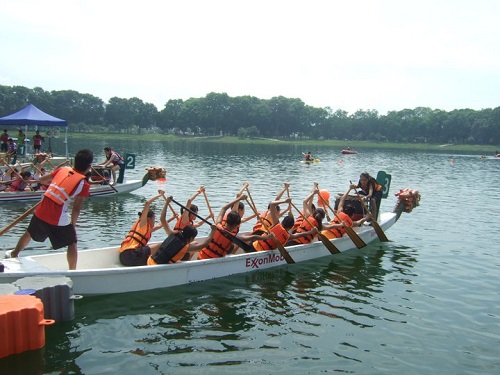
<point x="359" y="145"/>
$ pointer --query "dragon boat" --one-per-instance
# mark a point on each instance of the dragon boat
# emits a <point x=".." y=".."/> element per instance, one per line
<point x="100" y="272"/>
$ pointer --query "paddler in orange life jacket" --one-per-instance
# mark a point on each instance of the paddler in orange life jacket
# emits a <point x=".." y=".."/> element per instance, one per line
<point x="186" y="217"/>
<point x="307" y="207"/>
<point x="335" y="229"/>
<point x="114" y="161"/>
<point x="51" y="218"/>
<point x="372" y="191"/>
<point x="179" y="245"/>
<point x="134" y="250"/>
<point x="220" y="245"/>
<point x="309" y="219"/>
<point x="239" y="206"/>
<point x="280" y="231"/>
<point x="269" y="220"/>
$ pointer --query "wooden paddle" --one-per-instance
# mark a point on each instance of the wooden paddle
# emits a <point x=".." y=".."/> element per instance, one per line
<point x="285" y="254"/>
<point x="208" y="205"/>
<point x="355" y="238"/>
<point x="20" y="218"/>
<point x="329" y="245"/>
<point x="59" y="165"/>
<point x="18" y="175"/>
<point x="106" y="181"/>
<point x="246" y="247"/>
<point x="378" y="229"/>
<point x="36" y="168"/>
<point x="290" y="213"/>
<point x="175" y="215"/>
<point x="52" y="165"/>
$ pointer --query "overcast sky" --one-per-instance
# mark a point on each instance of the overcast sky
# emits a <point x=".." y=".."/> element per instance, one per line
<point x="349" y="55"/>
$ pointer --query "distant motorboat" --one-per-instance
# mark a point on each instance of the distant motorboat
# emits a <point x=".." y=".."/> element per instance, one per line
<point x="349" y="151"/>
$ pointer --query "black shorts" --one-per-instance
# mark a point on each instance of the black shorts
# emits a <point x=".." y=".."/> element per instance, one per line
<point x="135" y="257"/>
<point x="58" y="236"/>
<point x="377" y="195"/>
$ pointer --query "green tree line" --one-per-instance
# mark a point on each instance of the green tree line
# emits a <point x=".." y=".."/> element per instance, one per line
<point x="248" y="116"/>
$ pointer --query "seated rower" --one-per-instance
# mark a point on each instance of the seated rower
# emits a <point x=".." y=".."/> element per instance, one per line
<point x="186" y="217"/>
<point x="134" y="249"/>
<point x="310" y="218"/>
<point x="280" y="231"/>
<point x="221" y="245"/>
<point x="21" y="182"/>
<point x="114" y="161"/>
<point x="179" y="245"/>
<point x="36" y="177"/>
<point x="266" y="216"/>
<point x="335" y="229"/>
<point x="307" y="207"/>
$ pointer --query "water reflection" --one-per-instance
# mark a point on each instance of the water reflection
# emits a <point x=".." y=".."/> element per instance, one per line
<point x="264" y="310"/>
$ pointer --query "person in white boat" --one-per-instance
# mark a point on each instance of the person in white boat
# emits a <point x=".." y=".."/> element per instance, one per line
<point x="134" y="249"/>
<point x="336" y="228"/>
<point x="266" y="216"/>
<point x="51" y="218"/>
<point x="280" y="231"/>
<point x="186" y="217"/>
<point x="220" y="245"/>
<point x="114" y="161"/>
<point x="21" y="182"/>
<point x="39" y="172"/>
<point x="3" y="181"/>
<point x="179" y="245"/>
<point x="7" y="177"/>
<point x="371" y="190"/>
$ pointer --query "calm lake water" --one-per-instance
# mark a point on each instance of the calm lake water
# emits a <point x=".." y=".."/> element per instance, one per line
<point x="428" y="302"/>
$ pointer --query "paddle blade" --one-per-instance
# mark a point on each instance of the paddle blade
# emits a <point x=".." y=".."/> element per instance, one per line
<point x="380" y="232"/>
<point x="328" y="244"/>
<point x="355" y="238"/>
<point x="284" y="253"/>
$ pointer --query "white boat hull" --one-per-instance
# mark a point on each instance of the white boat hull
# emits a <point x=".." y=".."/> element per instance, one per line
<point x="95" y="191"/>
<point x="100" y="272"/>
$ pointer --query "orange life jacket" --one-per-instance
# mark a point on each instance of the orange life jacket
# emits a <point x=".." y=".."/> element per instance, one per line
<point x="281" y="235"/>
<point x="218" y="247"/>
<point x="258" y="227"/>
<point x="137" y="237"/>
<point x="306" y="227"/>
<point x="338" y="232"/>
<point x="298" y="222"/>
<point x="179" y="225"/>
<point x="64" y="182"/>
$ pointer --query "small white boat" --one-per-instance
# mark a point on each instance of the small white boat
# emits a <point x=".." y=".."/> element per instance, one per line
<point x="95" y="190"/>
<point x="100" y="272"/>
